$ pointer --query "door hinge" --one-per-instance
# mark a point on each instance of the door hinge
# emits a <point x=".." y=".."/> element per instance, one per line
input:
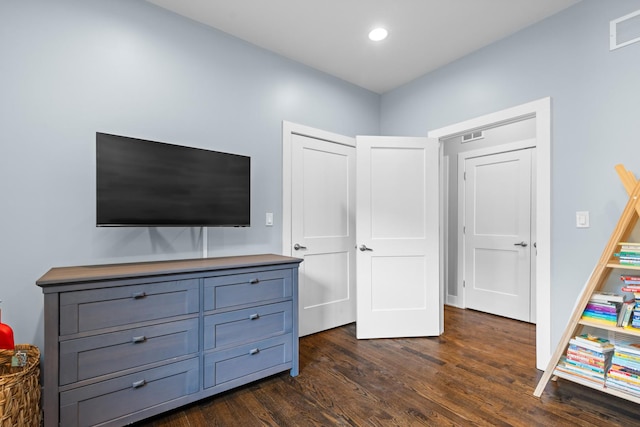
<point x="464" y="229"/>
<point x="464" y="284"/>
<point x="464" y="175"/>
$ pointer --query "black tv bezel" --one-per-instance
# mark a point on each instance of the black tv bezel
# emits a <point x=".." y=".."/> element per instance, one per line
<point x="179" y="223"/>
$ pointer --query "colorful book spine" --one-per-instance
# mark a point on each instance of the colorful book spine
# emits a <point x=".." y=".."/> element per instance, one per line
<point x="630" y="280"/>
<point x="593" y="343"/>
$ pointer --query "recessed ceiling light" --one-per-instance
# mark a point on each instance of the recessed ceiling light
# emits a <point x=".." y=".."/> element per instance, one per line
<point x="378" y="34"/>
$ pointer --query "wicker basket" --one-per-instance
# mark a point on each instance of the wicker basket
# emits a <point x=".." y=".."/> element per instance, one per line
<point x="20" y="389"/>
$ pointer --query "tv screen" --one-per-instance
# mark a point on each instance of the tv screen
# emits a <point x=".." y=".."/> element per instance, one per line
<point x="147" y="183"/>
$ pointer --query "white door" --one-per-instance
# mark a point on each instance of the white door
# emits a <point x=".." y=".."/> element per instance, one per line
<point x="323" y="231"/>
<point x="497" y="234"/>
<point x="398" y="237"/>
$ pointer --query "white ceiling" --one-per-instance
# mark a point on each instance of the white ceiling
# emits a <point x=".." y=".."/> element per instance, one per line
<point x="331" y="35"/>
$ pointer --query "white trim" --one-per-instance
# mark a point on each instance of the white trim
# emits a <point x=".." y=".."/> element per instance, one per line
<point x="541" y="110"/>
<point x="496" y="149"/>
<point x="287" y="131"/>
<point x="444" y="232"/>
<point x="444" y="226"/>
<point x="449" y="299"/>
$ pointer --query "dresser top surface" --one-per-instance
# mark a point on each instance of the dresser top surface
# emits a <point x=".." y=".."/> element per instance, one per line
<point x="65" y="275"/>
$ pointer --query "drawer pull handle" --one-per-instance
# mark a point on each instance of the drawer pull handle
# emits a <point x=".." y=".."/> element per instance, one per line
<point x="138" y="340"/>
<point x="254" y="316"/>
<point x="139" y="295"/>
<point x="254" y="281"/>
<point x="254" y="351"/>
<point x="139" y="384"/>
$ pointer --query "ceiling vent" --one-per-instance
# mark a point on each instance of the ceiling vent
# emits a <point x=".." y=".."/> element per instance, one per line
<point x="468" y="137"/>
<point x="624" y="31"/>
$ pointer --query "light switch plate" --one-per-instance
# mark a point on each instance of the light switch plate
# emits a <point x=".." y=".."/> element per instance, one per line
<point x="582" y="219"/>
<point x="269" y="219"/>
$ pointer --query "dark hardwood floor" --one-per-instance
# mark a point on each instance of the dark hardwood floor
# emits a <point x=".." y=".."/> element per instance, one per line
<point x="480" y="372"/>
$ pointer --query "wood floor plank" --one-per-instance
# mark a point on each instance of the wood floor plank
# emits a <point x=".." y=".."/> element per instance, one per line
<point x="480" y="372"/>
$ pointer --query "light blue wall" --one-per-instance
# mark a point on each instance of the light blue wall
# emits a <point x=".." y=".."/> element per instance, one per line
<point x="71" y="68"/>
<point x="595" y="122"/>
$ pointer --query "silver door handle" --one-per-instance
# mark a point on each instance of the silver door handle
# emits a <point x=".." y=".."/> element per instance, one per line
<point x="523" y="244"/>
<point x="297" y="247"/>
<point x="364" y="248"/>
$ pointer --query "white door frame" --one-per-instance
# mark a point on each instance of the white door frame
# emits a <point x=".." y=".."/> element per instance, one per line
<point x="541" y="110"/>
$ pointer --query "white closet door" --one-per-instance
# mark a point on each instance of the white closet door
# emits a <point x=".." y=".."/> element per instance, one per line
<point x="497" y="238"/>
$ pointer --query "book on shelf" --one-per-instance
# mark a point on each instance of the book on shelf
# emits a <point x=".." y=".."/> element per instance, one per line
<point x="588" y="359"/>
<point x="584" y="374"/>
<point x="621" y="385"/>
<point x="580" y="349"/>
<point x="587" y="368"/>
<point x="629" y="250"/>
<point x="626" y="256"/>
<point x="604" y="312"/>
<point x="629" y="261"/>
<point x="630" y="280"/>
<point x="599" y="320"/>
<point x="600" y="317"/>
<point x="621" y="359"/>
<point x="602" y="296"/>
<point x="630" y="348"/>
<point x="605" y="307"/>
<point x="630" y="244"/>
<point x="593" y="341"/>
<point x="585" y="351"/>
<point x="602" y="307"/>
<point x="625" y="358"/>
<point x="635" y="319"/>
<point x="624" y="372"/>
<point x="626" y="311"/>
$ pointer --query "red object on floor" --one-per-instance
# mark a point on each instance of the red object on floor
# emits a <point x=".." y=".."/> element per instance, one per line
<point x="6" y="337"/>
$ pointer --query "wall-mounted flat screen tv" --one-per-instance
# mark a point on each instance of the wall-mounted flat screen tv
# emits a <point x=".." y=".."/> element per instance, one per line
<point x="154" y="184"/>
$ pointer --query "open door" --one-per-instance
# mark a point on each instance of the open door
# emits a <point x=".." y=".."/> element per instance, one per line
<point x="318" y="218"/>
<point x="323" y="231"/>
<point x="397" y="233"/>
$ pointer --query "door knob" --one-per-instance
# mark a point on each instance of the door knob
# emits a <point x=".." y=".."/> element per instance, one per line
<point x="523" y="244"/>
<point x="297" y="247"/>
<point x="364" y="248"/>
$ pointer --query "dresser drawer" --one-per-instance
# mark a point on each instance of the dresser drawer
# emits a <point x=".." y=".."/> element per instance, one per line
<point x="97" y="355"/>
<point x="247" y="325"/>
<point x="90" y="310"/>
<point x="112" y="399"/>
<point x="240" y="362"/>
<point x="249" y="288"/>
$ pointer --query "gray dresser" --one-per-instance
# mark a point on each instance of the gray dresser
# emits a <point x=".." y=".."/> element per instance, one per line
<point x="124" y="342"/>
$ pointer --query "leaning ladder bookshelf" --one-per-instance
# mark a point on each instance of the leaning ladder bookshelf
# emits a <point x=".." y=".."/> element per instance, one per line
<point x="606" y="265"/>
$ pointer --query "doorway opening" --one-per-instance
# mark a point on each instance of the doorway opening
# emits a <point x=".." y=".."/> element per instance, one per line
<point x="540" y="112"/>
